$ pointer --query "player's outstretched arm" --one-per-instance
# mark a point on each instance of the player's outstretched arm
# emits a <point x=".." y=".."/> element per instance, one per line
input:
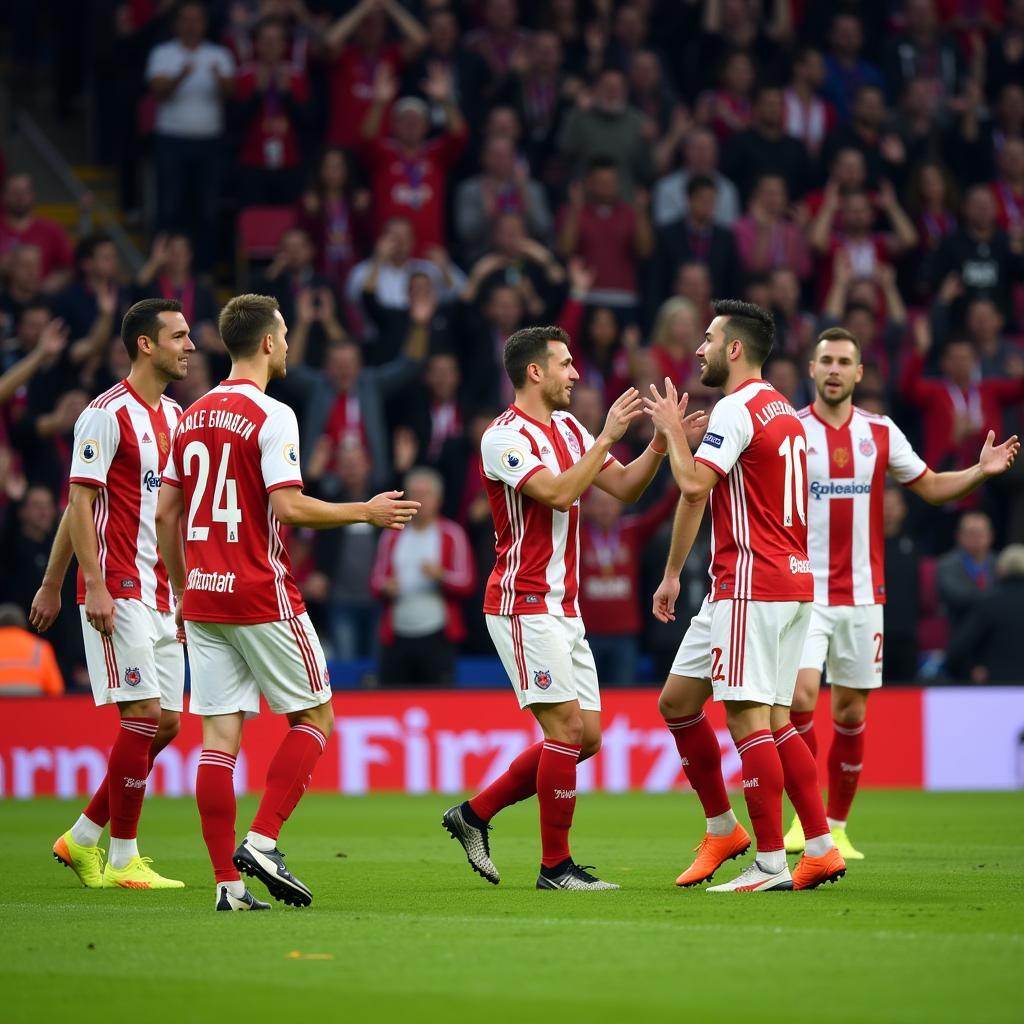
<point x="560" y="490"/>
<point x="695" y="480"/>
<point x="684" y="531"/>
<point x="46" y="604"/>
<point x="99" y="605"/>
<point x="938" y="488"/>
<point x="628" y="483"/>
<point x="388" y="510"/>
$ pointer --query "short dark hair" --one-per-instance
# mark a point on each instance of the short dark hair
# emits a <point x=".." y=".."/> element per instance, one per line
<point x="88" y="245"/>
<point x="143" y="320"/>
<point x="602" y="163"/>
<point x="751" y="324"/>
<point x="529" y="345"/>
<point x="838" y="334"/>
<point x="245" y="321"/>
<point x="697" y="182"/>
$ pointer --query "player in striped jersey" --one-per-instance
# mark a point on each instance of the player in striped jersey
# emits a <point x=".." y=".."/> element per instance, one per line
<point x="536" y="460"/>
<point x="135" y="661"/>
<point x="849" y="452"/>
<point x="744" y="644"/>
<point x="233" y="473"/>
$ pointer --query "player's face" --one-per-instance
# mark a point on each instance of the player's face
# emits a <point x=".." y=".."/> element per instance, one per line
<point x="279" y="353"/>
<point x="836" y="370"/>
<point x="559" y="376"/>
<point x="171" y="351"/>
<point x="714" y="364"/>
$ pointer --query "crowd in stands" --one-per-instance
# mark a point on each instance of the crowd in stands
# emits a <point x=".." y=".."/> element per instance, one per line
<point x="446" y="172"/>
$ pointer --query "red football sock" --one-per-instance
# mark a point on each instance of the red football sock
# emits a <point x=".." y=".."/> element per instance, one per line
<point x="98" y="809"/>
<point x="801" y="778"/>
<point x="287" y="777"/>
<point x="803" y="722"/>
<point x="556" y="794"/>
<point x="518" y="782"/>
<point x="702" y="761"/>
<point x="215" y="798"/>
<point x="845" y="760"/>
<point x="762" y="788"/>
<point x="127" y="769"/>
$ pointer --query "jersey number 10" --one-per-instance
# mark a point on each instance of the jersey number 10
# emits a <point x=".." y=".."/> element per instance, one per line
<point x="793" y="488"/>
<point x="225" y="492"/>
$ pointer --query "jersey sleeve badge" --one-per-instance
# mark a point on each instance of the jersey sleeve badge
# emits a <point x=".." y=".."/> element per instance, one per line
<point x="513" y="459"/>
<point x="89" y="449"/>
<point x="291" y="454"/>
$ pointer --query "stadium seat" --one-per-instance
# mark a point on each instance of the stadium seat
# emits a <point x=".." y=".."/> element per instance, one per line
<point x="932" y="627"/>
<point x="257" y="233"/>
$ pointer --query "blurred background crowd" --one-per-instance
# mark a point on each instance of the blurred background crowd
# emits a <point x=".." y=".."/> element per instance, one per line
<point x="414" y="181"/>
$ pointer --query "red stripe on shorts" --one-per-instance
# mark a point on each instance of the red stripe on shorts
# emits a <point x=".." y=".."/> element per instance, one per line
<point x="306" y="654"/>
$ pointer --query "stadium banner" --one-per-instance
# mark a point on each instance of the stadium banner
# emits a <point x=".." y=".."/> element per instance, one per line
<point x="417" y="742"/>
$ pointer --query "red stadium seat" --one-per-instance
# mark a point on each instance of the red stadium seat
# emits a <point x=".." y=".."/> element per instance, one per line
<point x="258" y="231"/>
<point x="932" y="627"/>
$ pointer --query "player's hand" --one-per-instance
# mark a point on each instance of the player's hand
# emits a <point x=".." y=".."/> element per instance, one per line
<point x="99" y="609"/>
<point x="996" y="459"/>
<point x="665" y="596"/>
<point x="179" y="622"/>
<point x="694" y="426"/>
<point x="623" y="411"/>
<point x="45" y="607"/>
<point x="667" y="410"/>
<point x="389" y="512"/>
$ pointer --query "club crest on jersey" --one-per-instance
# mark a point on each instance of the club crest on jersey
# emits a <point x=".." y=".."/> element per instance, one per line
<point x="163" y="443"/>
<point x="291" y="454"/>
<point x="512" y="459"/>
<point x="867" y="447"/>
<point x="89" y="449"/>
<point x="132" y="677"/>
<point x="327" y="678"/>
<point x="574" y="445"/>
<point x="542" y="679"/>
<point x="841" y="456"/>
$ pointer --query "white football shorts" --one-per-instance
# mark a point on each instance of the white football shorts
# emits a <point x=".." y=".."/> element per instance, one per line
<point x="231" y="664"/>
<point x="750" y="650"/>
<point x="141" y="660"/>
<point x="547" y="658"/>
<point x="848" y="640"/>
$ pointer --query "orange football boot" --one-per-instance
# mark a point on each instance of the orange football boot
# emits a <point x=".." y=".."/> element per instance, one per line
<point x="712" y="853"/>
<point x="811" y="872"/>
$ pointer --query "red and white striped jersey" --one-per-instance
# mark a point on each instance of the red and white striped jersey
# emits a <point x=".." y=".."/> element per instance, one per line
<point x="755" y="442"/>
<point x="121" y="447"/>
<point x="231" y="450"/>
<point x="538" y="548"/>
<point x="846" y="469"/>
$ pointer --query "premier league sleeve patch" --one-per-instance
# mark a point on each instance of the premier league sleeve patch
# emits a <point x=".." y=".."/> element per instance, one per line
<point x="291" y="454"/>
<point x="89" y="449"/>
<point x="513" y="459"/>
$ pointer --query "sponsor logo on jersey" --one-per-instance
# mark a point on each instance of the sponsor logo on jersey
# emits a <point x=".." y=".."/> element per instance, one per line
<point x="799" y="565"/>
<point x="89" y="449"/>
<point x="841" y="456"/>
<point x="512" y="459"/>
<point x="291" y="454"/>
<point x="866" y="446"/>
<point x="542" y="678"/>
<point x="713" y="440"/>
<point x="127" y="584"/>
<point x="819" y="489"/>
<point x="532" y="599"/>
<point x="545" y="450"/>
<point x="217" y="582"/>
<point x="132" y="677"/>
<point x="150" y="481"/>
<point x="146" y="439"/>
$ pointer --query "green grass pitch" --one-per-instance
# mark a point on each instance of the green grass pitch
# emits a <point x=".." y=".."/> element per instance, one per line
<point x="928" y="928"/>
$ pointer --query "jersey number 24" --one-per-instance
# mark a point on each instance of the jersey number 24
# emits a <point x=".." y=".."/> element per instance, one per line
<point x="225" y="492"/>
